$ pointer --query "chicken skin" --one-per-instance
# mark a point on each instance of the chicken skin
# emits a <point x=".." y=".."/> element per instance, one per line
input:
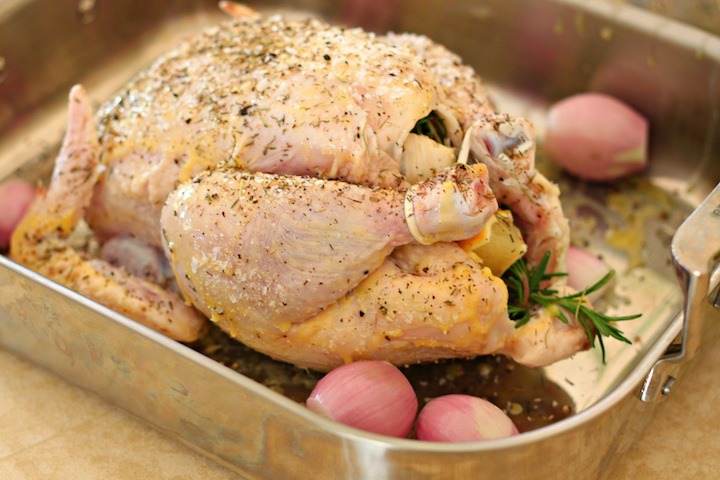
<point x="268" y="95"/>
<point x="303" y="186"/>
<point x="41" y="241"/>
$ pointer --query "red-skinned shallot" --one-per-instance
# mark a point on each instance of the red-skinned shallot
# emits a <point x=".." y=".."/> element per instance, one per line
<point x="371" y="395"/>
<point x="584" y="269"/>
<point x="462" y="418"/>
<point x="596" y="137"/>
<point x="15" y="198"/>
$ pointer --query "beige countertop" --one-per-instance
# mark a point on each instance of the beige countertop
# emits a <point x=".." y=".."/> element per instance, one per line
<point x="50" y="429"/>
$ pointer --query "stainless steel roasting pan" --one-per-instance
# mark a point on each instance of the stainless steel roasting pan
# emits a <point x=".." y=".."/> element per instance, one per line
<point x="531" y="53"/>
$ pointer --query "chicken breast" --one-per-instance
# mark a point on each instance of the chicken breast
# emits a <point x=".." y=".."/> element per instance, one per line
<point x="272" y="95"/>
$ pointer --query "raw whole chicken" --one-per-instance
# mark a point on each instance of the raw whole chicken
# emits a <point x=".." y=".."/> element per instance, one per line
<point x="303" y="186"/>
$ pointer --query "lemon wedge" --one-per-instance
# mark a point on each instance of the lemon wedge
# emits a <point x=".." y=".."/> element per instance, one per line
<point x="498" y="245"/>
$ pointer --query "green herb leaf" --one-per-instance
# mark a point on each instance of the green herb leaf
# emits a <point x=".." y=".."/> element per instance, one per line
<point x="526" y="291"/>
<point x="432" y="126"/>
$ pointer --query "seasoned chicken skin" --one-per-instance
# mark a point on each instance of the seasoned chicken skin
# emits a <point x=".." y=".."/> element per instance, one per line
<point x="41" y="241"/>
<point x="302" y="183"/>
<point x="270" y="95"/>
<point x="277" y="251"/>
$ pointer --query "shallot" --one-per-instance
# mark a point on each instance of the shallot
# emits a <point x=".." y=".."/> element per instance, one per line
<point x="371" y="395"/>
<point x="462" y="418"/>
<point x="596" y="137"/>
<point x="15" y="198"/>
<point x="584" y="270"/>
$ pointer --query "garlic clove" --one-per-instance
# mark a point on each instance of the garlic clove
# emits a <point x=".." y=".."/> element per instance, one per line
<point x="373" y="396"/>
<point x="462" y="418"/>
<point x="596" y="137"/>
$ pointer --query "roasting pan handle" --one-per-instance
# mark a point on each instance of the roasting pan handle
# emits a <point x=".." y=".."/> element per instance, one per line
<point x="696" y="256"/>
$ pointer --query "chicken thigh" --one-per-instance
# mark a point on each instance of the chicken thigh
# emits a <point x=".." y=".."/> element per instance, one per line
<point x="306" y="184"/>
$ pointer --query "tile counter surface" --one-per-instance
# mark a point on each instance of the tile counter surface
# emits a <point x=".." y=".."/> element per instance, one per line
<point x="50" y="429"/>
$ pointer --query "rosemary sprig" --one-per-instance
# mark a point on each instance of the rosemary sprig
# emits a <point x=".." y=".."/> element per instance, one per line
<point x="431" y="126"/>
<point x="528" y="288"/>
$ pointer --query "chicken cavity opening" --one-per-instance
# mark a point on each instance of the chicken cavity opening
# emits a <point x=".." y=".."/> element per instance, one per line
<point x="428" y="147"/>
